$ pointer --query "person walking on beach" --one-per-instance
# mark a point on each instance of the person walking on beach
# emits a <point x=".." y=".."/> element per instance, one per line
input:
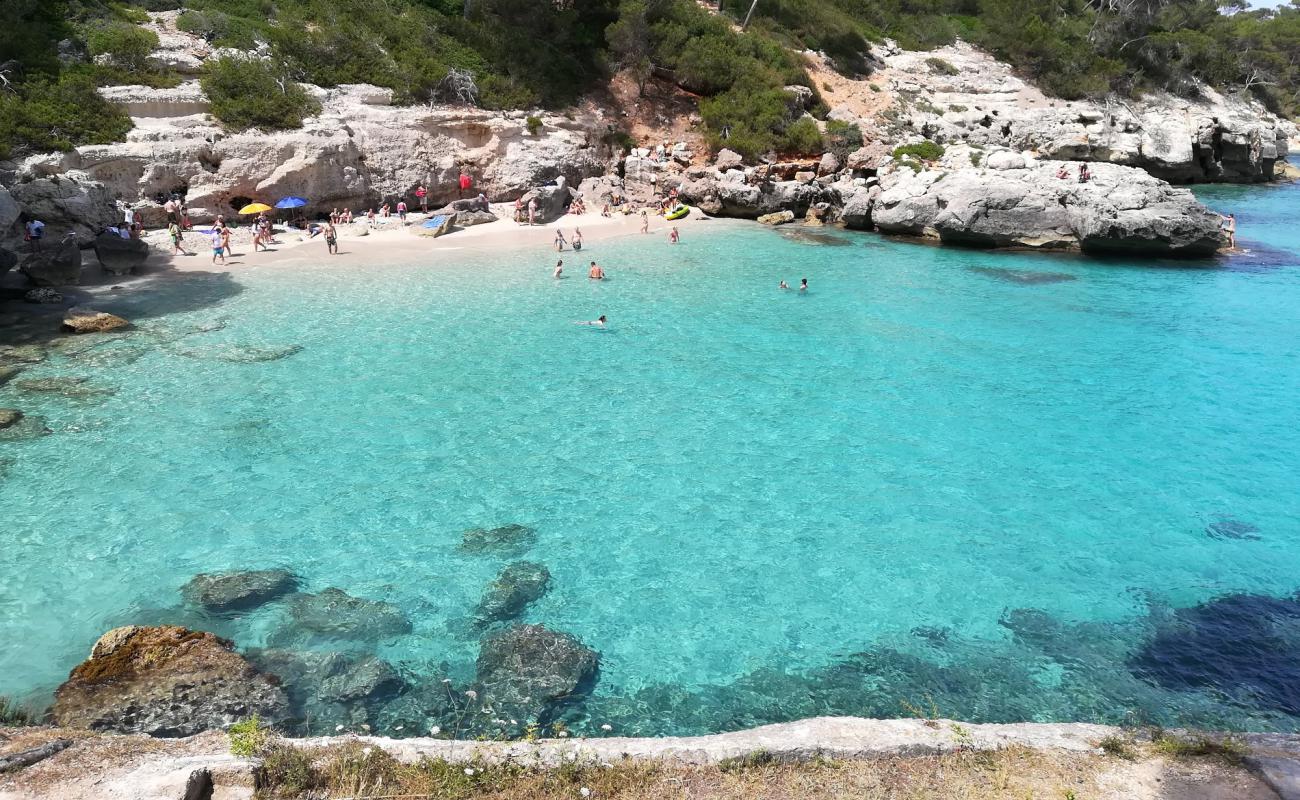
<point x="464" y="184"/>
<point x="559" y="269"/>
<point x="174" y="231"/>
<point x="225" y="243"/>
<point x="596" y="273"/>
<point x="673" y="236"/>
<point x="1230" y="228"/>
<point x="401" y="210"/>
<point x="218" y="248"/>
<point x="559" y="241"/>
<point x="331" y="239"/>
<point x="532" y="211"/>
<point x="645" y="222"/>
<point x="422" y="194"/>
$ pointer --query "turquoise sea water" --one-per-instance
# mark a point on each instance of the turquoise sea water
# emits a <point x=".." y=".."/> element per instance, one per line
<point x="1006" y="484"/>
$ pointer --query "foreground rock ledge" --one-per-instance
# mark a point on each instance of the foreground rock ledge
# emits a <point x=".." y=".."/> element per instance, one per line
<point x="165" y="681"/>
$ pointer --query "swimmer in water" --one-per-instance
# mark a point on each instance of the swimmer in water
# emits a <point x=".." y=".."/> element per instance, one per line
<point x="596" y="273"/>
<point x="599" y="322"/>
<point x="559" y="268"/>
<point x="784" y="285"/>
<point x="674" y="236"/>
<point x="803" y="285"/>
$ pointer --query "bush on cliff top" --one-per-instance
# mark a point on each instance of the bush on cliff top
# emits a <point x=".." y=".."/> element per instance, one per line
<point x="57" y="114"/>
<point x="250" y="92"/>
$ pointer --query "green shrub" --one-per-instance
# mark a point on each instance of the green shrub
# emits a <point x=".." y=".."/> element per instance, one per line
<point x="924" y="151"/>
<point x="58" y="115"/>
<point x="976" y="158"/>
<point x="286" y="772"/>
<point x="1226" y="748"/>
<point x="803" y="137"/>
<point x="941" y="67"/>
<point x="249" y="92"/>
<point x="13" y="715"/>
<point x="534" y="125"/>
<point x="751" y="760"/>
<point x="755" y="114"/>
<point x="1117" y="746"/>
<point x="125" y="45"/>
<point x="248" y="737"/>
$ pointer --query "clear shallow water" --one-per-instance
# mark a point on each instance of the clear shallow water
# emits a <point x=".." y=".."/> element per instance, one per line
<point x="988" y="480"/>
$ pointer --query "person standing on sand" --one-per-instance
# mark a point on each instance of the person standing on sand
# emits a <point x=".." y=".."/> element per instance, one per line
<point x="218" y="249"/>
<point x="645" y="222"/>
<point x="178" y="245"/>
<point x="331" y="239"/>
<point x="559" y="268"/>
<point x="401" y="210"/>
<point x="519" y="210"/>
<point x="596" y="273"/>
<point x="422" y="195"/>
<point x="532" y="211"/>
<point x="225" y="242"/>
<point x="674" y="237"/>
<point x="1230" y="228"/>
<point x="464" y="184"/>
<point x="170" y="208"/>
<point x="185" y="218"/>
<point x="559" y="240"/>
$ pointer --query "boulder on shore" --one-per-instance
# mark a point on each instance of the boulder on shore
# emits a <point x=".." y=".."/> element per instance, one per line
<point x="777" y="218"/>
<point x="552" y="202"/>
<point x="1120" y="209"/>
<point x="80" y="319"/>
<point x="225" y="592"/>
<point x="165" y="681"/>
<point x="120" y="256"/>
<point x="54" y="267"/>
<point x="517" y="586"/>
<point x="529" y="670"/>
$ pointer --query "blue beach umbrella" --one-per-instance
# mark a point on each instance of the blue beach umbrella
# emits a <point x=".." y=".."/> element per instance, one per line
<point x="291" y="202"/>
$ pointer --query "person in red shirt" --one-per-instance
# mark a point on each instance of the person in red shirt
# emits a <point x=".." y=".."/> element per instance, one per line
<point x="423" y="196"/>
<point x="465" y="183"/>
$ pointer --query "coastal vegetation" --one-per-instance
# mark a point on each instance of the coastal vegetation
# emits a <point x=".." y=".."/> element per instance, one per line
<point x="518" y="54"/>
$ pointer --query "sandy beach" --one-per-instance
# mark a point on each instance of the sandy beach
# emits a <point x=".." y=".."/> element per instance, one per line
<point x="391" y="240"/>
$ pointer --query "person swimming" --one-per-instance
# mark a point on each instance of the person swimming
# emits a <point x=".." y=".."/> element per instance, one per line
<point x="598" y="322"/>
<point x="803" y="285"/>
<point x="559" y="268"/>
<point x="596" y="273"/>
<point x="783" y="285"/>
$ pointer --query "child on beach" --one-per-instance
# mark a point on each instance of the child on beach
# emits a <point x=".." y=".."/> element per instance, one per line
<point x="174" y="231"/>
<point x="218" y="246"/>
<point x="645" y="222"/>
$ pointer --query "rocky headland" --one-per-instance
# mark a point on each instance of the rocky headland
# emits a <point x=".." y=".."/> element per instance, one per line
<point x="362" y="149"/>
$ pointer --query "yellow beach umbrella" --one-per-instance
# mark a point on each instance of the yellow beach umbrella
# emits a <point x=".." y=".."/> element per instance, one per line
<point x="254" y="208"/>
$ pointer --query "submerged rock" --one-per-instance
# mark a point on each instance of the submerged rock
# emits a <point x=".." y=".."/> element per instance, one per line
<point x="1022" y="277"/>
<point x="336" y="613"/>
<point x="225" y="592"/>
<point x="311" y="676"/>
<point x="529" y="670"/>
<point x="43" y="296"/>
<point x="15" y="426"/>
<point x="1229" y="528"/>
<point x="240" y="354"/>
<point x="22" y="354"/>
<point x="120" y="256"/>
<point x="7" y="373"/>
<point x="1245" y="646"/>
<point x="165" y="681"/>
<point x="517" y="586"/>
<point x="358" y="678"/>
<point x="508" y="539"/>
<point x="80" y="319"/>
<point x="70" y="387"/>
